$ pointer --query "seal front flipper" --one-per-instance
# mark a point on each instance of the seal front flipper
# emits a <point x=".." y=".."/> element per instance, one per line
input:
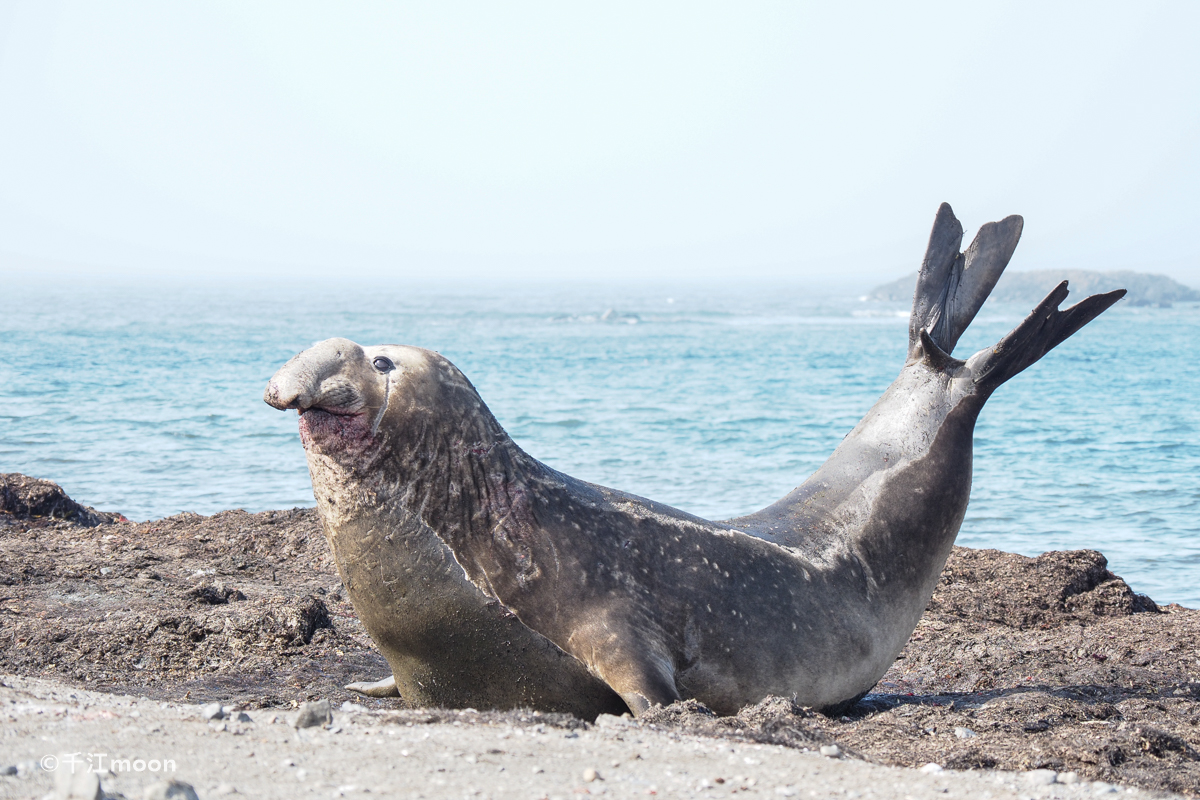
<point x="642" y="675"/>
<point x="385" y="687"/>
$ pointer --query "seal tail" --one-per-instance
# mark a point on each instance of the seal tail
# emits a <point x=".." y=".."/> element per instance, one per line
<point x="1043" y="330"/>
<point x="952" y="286"/>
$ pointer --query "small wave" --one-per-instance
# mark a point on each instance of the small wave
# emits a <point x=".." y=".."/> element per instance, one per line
<point x="562" y="423"/>
<point x="608" y="317"/>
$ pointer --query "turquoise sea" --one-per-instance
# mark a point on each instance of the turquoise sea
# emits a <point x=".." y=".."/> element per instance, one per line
<point x="147" y="399"/>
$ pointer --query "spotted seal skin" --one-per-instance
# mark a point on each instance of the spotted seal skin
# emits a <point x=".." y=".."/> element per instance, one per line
<point x="481" y="571"/>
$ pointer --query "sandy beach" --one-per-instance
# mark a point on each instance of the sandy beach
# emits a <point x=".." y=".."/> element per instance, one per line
<point x="379" y="753"/>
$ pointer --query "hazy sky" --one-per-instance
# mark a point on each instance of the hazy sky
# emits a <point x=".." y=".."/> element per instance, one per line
<point x="603" y="141"/>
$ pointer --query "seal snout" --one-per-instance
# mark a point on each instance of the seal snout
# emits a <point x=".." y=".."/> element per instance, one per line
<point x="285" y="392"/>
<point x="334" y="387"/>
<point x="324" y="377"/>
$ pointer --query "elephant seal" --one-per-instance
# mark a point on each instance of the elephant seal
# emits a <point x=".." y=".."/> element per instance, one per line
<point x="488" y="575"/>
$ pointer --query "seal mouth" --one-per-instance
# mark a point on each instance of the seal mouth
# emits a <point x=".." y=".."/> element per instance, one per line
<point x="329" y="428"/>
<point x="332" y="411"/>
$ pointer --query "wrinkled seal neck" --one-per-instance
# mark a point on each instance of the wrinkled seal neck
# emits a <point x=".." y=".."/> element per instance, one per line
<point x="440" y="457"/>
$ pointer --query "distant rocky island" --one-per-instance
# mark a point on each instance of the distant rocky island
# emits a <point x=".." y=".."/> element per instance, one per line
<point x="1030" y="287"/>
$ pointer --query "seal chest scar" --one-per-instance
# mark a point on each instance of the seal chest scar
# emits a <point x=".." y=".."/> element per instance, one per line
<point x="530" y="588"/>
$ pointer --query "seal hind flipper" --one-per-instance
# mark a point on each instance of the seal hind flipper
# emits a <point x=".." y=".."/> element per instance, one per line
<point x="935" y="357"/>
<point x="952" y="286"/>
<point x="385" y="687"/>
<point x="1045" y="328"/>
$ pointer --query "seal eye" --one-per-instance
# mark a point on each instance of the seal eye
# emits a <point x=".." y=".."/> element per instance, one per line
<point x="383" y="364"/>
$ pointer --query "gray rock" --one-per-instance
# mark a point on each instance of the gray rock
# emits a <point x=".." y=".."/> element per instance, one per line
<point x="244" y="717"/>
<point x="213" y="711"/>
<point x="79" y="783"/>
<point x="170" y="790"/>
<point x="11" y="769"/>
<point x="312" y="715"/>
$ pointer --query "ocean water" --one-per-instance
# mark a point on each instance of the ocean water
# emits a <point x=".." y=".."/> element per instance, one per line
<point x="147" y="399"/>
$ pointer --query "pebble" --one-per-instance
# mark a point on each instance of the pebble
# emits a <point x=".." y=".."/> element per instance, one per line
<point x="213" y="711"/>
<point x="1040" y="777"/>
<point x="613" y="721"/>
<point x="76" y="784"/>
<point x="931" y="768"/>
<point x="1068" y="777"/>
<point x="590" y="775"/>
<point x="964" y="733"/>
<point x="786" y="791"/>
<point x="314" y="714"/>
<point x="831" y="751"/>
<point x="352" y="708"/>
<point x="170" y="790"/>
<point x="243" y="717"/>
<point x="11" y="769"/>
<point x="225" y="788"/>
<point x="1100" y="787"/>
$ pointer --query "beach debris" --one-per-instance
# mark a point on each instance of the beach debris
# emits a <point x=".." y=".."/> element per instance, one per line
<point x="215" y="594"/>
